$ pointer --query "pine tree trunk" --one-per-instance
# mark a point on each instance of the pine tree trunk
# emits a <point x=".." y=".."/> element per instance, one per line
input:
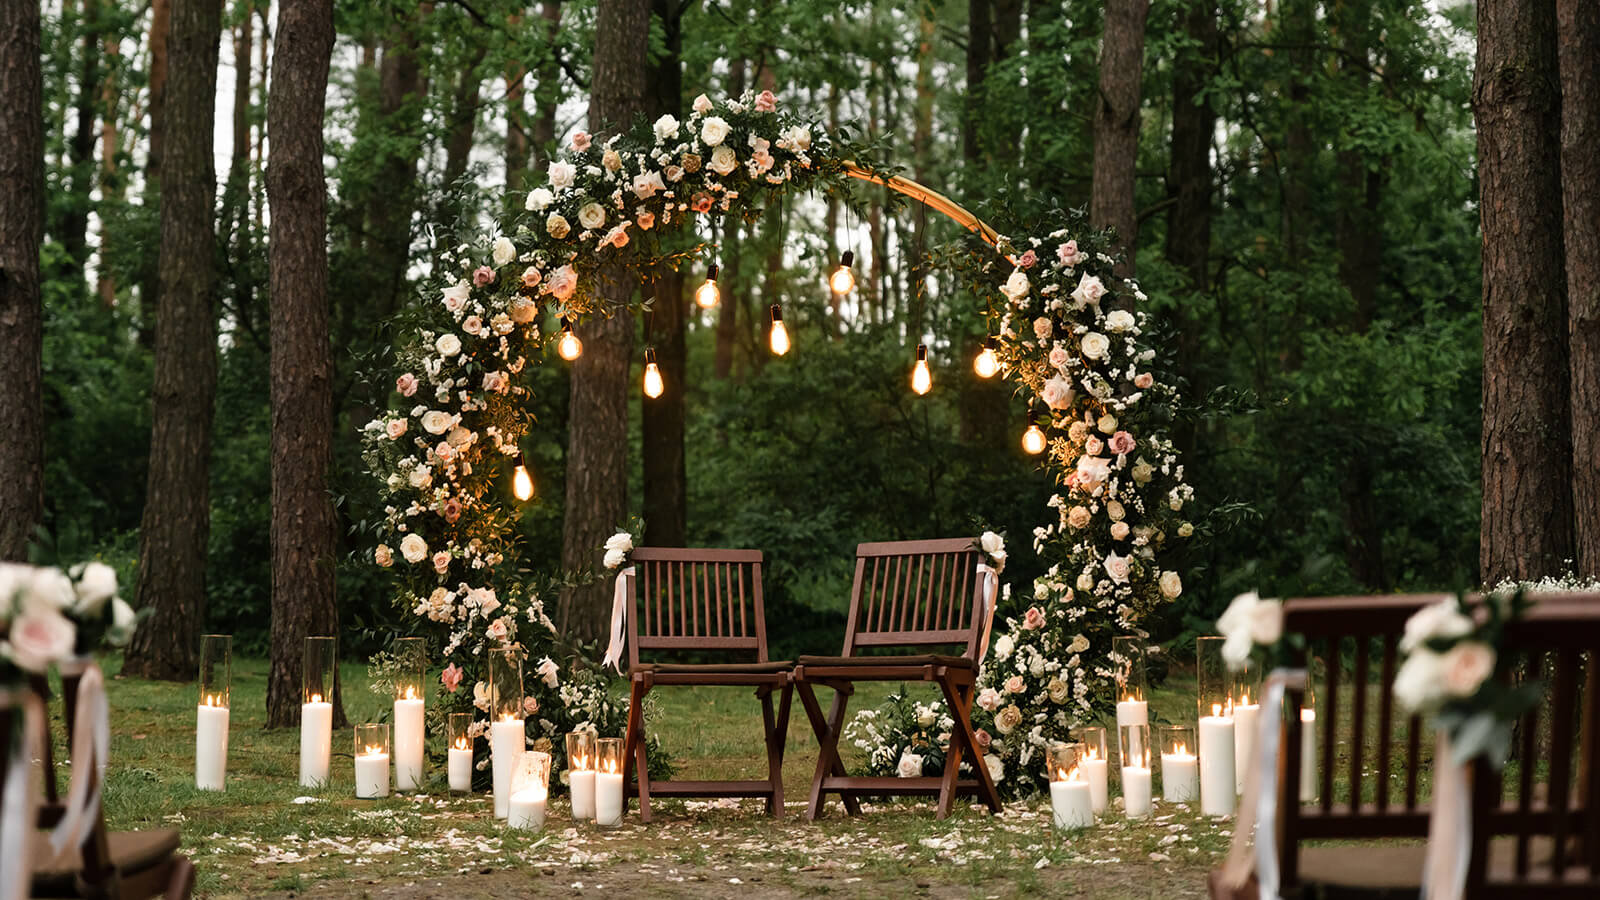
<point x="111" y="184"/>
<point x="236" y="196"/>
<point x="1116" y="125"/>
<point x="597" y="438"/>
<point x="177" y="513"/>
<point x="305" y="533"/>
<point x="150" y="283"/>
<point x="980" y="41"/>
<point x="21" y="312"/>
<point x="400" y="114"/>
<point x="1580" y="182"/>
<point x="74" y="225"/>
<point x="547" y="95"/>
<point x="922" y="140"/>
<point x="1527" y="442"/>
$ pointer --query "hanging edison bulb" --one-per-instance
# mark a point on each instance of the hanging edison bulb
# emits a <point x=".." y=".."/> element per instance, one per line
<point x="778" y="337"/>
<point x="986" y="363"/>
<point x="921" y="378"/>
<point x="653" y="385"/>
<point x="569" y="346"/>
<point x="843" y="281"/>
<point x="707" y="295"/>
<point x="1033" y="440"/>
<point x="521" y="481"/>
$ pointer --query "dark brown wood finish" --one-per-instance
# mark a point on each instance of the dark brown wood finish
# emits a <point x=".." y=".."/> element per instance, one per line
<point x="707" y="602"/>
<point x="907" y="595"/>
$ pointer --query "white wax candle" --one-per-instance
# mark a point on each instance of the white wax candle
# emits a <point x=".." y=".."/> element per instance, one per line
<point x="372" y="775"/>
<point x="1180" y="777"/>
<point x="408" y="744"/>
<point x="527" y="809"/>
<point x="211" y="748"/>
<point x="1070" y="804"/>
<point x="1096" y="771"/>
<point x="461" y="769"/>
<point x="507" y="740"/>
<point x="582" y="785"/>
<point x="608" y="798"/>
<point x="1135" y="791"/>
<point x="1132" y="712"/>
<point x="1216" y="765"/>
<point x="1308" y="755"/>
<point x="316" y="742"/>
<point x="1246" y="721"/>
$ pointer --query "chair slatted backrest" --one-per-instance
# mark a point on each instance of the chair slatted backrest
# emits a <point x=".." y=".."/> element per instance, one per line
<point x="916" y="594"/>
<point x="1371" y="736"/>
<point x="1548" y="794"/>
<point x="697" y="600"/>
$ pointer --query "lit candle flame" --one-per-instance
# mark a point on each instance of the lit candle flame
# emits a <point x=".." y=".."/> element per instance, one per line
<point x="1092" y="753"/>
<point x="1181" y="749"/>
<point x="611" y="767"/>
<point x="1216" y="709"/>
<point x="460" y="744"/>
<point x="1308" y="715"/>
<point x="373" y="750"/>
<point x="411" y="693"/>
<point x="315" y="698"/>
<point x="580" y="764"/>
<point x="1246" y="700"/>
<point x="212" y="700"/>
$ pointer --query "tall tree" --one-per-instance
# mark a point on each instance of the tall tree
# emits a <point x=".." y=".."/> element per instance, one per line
<point x="400" y="113"/>
<point x="1527" y="444"/>
<point x="597" y="438"/>
<point x="305" y="533"/>
<point x="547" y="93"/>
<point x="74" y="224"/>
<point x="176" y="526"/>
<point x="1116" y="123"/>
<point x="21" y="312"/>
<point x="155" y="151"/>
<point x="1580" y="184"/>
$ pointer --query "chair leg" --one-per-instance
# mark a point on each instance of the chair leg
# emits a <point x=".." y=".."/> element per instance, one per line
<point x="780" y="734"/>
<point x="181" y="885"/>
<point x="633" y="753"/>
<point x="774" y="773"/>
<point x="963" y="739"/>
<point x="827" y="731"/>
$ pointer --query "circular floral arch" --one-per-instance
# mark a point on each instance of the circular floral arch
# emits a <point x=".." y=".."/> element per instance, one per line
<point x="1066" y="329"/>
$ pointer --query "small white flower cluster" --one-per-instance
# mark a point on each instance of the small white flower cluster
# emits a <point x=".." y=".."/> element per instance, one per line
<point x="1431" y="676"/>
<point x="44" y="613"/>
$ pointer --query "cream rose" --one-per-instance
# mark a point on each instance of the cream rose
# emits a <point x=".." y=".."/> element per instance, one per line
<point x="1119" y="531"/>
<point x="436" y="422"/>
<point x="538" y="199"/>
<point x="448" y="345"/>
<point x="1058" y="690"/>
<point x="383" y="556"/>
<point x="714" y="130"/>
<point x="557" y="226"/>
<point x="561" y="174"/>
<point x="414" y="548"/>
<point x="1119" y="320"/>
<point x="1466" y="666"/>
<point x="592" y="216"/>
<point x="1171" y="585"/>
<point x="1057" y="393"/>
<point x="1042" y="328"/>
<point x="909" y="766"/>
<point x="611" y="160"/>
<point x="665" y="127"/>
<point x="1016" y="286"/>
<point x="523" y="310"/>
<point x="1007" y="720"/>
<point x="1078" y="517"/>
<point x="1095" y="345"/>
<point x="1085" y="581"/>
<point x="504" y="251"/>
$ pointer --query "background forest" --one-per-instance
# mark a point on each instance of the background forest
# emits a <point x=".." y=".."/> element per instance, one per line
<point x="1306" y="226"/>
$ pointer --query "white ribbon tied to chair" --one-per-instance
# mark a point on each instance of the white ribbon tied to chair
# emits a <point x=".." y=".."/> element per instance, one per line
<point x="619" y="613"/>
<point x="1258" y="806"/>
<point x="21" y="801"/>
<point x="91" y="747"/>
<point x="1444" y="868"/>
<point x="991" y="590"/>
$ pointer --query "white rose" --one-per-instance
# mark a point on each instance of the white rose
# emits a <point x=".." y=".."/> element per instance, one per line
<point x="1119" y="320"/>
<point x="549" y="671"/>
<point x="1003" y="647"/>
<point x="592" y="216"/>
<point x="665" y="127"/>
<point x="991" y="543"/>
<point x="621" y="541"/>
<point x="1016" y="286"/>
<point x="1419" y="683"/>
<point x="1095" y="345"/>
<point x="1057" y="393"/>
<point x="1088" y="292"/>
<point x="97" y="583"/>
<point x="1440" y="620"/>
<point x="997" y="769"/>
<point x="448" y="345"/>
<point x="538" y="199"/>
<point x="561" y="174"/>
<point x="1171" y="585"/>
<point x="1085" y="581"/>
<point x="796" y="138"/>
<point x="645" y="186"/>
<point x="1119" y="531"/>
<point x="436" y="422"/>
<point x="989" y="699"/>
<point x="1466" y="666"/>
<point x="122" y="619"/>
<point x="47" y="590"/>
<point x="420" y="478"/>
<point x="714" y="131"/>
<point x="414" y="548"/>
<point x="723" y="160"/>
<point x="615" y="558"/>
<point x="456" y="295"/>
<point x="504" y="250"/>
<point x="1093" y="470"/>
<point x="1117" y="568"/>
<point x="41" y="637"/>
<point x="910" y="765"/>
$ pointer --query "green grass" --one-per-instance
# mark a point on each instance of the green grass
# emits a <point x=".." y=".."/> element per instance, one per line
<point x="254" y="840"/>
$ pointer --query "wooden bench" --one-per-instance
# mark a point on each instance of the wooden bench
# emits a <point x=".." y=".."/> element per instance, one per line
<point x="907" y="596"/>
<point x="709" y="603"/>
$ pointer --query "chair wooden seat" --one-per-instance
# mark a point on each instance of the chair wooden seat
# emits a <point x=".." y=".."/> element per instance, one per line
<point x="907" y="595"/>
<point x="707" y="602"/>
<point x="132" y="854"/>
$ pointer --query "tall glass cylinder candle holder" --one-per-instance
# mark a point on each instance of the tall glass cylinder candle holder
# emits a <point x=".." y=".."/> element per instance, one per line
<point x="580" y="774"/>
<point x="372" y="760"/>
<point x="1180" y="768"/>
<point x="530" y="791"/>
<point x="211" y="716"/>
<point x="1071" y="803"/>
<point x="1096" y="765"/>
<point x="317" y="665"/>
<point x="1217" y="763"/>
<point x="1308" y="745"/>
<point x="1128" y="656"/>
<point x="608" y="795"/>
<point x="459" y="733"/>
<point x="507" y="735"/>
<point x="1246" y="695"/>
<point x="1136" y="771"/>
<point x="410" y="734"/>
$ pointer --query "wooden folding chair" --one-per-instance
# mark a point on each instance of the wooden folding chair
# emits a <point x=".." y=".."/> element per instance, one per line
<point x="907" y="595"/>
<point x="704" y="602"/>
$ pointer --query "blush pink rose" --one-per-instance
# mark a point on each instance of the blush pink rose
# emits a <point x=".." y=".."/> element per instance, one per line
<point x="989" y="699"/>
<point x="472" y="325"/>
<point x="1093" y="446"/>
<point x="395" y="428"/>
<point x="497" y="629"/>
<point x="1059" y="357"/>
<point x="766" y="102"/>
<point x="1067" y="253"/>
<point x="562" y="283"/>
<point x="451" y="678"/>
<point x="1121" y="442"/>
<point x="982" y="738"/>
<point x="531" y="277"/>
<point x="1028" y="260"/>
<point x="646" y="220"/>
<point x="406" y="384"/>
<point x="494" y="381"/>
<point x="441" y="562"/>
<point x="1143" y="381"/>
<point x="483" y="275"/>
<point x="1015" y="685"/>
<point x="1033" y="619"/>
<point x="701" y="202"/>
<point x="581" y="141"/>
<point x="530" y="705"/>
<point x="451" y="510"/>
<point x="444" y="452"/>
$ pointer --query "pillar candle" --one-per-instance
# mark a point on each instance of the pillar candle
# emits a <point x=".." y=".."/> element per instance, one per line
<point x="1216" y="764"/>
<point x="1308" y="755"/>
<point x="1070" y="804"/>
<point x="408" y="744"/>
<point x="1136" y="791"/>
<point x="507" y="740"/>
<point x="527" y="809"/>
<point x="211" y="748"/>
<point x="1180" y="777"/>
<point x="316" y="741"/>
<point x="1096" y="771"/>
<point x="1246" y="721"/>
<point x="1132" y="712"/>
<point x="372" y="775"/>
<point x="461" y="769"/>
<point x="608" y="798"/>
<point x="582" y="784"/>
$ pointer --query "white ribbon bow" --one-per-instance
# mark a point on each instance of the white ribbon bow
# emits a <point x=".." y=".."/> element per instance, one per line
<point x="1444" y="868"/>
<point x="619" y="607"/>
<point x="21" y="801"/>
<point x="991" y="588"/>
<point x="91" y="747"/>
<point x="1259" y="805"/>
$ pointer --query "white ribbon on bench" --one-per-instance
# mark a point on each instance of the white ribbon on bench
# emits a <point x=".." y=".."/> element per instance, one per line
<point x="619" y="607"/>
<point x="991" y="590"/>
<point x="1444" y="868"/>
<point x="91" y="747"/>
<point x="21" y="800"/>
<point x="1258" y="806"/>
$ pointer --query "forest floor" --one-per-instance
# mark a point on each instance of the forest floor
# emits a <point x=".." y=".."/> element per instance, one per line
<point x="268" y="837"/>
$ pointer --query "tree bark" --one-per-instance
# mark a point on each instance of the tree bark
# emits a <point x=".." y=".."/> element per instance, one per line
<point x="177" y="513"/>
<point x="597" y="438"/>
<point x="980" y="41"/>
<point x="236" y="196"/>
<point x="1116" y="125"/>
<point x="305" y="533"/>
<point x="1579" y="22"/>
<point x="547" y="93"/>
<point x="1527" y="444"/>
<point x="150" y="283"/>
<point x="74" y="225"/>
<point x="400" y="116"/>
<point x="21" y="310"/>
<point x="111" y="183"/>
